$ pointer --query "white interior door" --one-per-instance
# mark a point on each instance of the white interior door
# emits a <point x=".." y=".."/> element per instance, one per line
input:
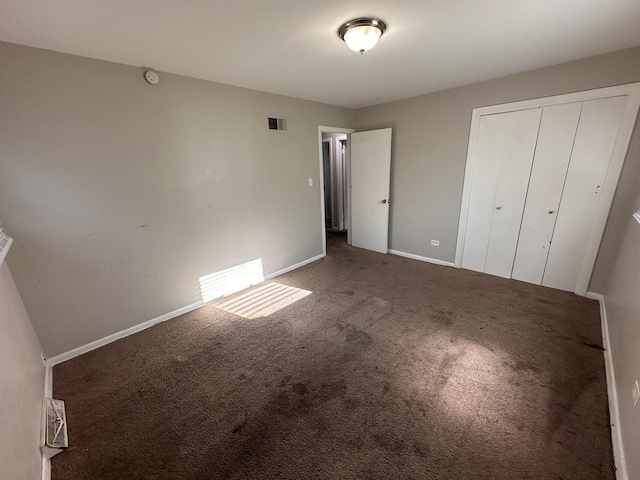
<point x="551" y="161"/>
<point x="504" y="153"/>
<point x="370" y="176"/>
<point x="594" y="142"/>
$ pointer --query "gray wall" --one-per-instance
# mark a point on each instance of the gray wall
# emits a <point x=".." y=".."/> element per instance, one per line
<point x="431" y="134"/>
<point x="21" y="385"/>
<point x="617" y="277"/>
<point x="120" y="195"/>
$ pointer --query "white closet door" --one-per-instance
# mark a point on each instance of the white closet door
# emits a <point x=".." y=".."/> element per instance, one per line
<point x="551" y="161"/>
<point x="517" y="155"/>
<point x="594" y="142"/>
<point x="504" y="153"/>
<point x="483" y="190"/>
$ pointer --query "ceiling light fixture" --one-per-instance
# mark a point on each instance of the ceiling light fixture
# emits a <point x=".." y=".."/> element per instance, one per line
<point x="361" y="34"/>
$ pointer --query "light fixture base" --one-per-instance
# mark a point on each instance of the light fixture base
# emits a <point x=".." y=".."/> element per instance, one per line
<point x="362" y="24"/>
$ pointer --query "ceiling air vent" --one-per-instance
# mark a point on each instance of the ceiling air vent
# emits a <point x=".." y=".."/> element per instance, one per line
<point x="277" y="123"/>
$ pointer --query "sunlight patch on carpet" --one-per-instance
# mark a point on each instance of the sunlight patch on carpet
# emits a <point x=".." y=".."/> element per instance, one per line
<point x="262" y="301"/>
<point x="476" y="387"/>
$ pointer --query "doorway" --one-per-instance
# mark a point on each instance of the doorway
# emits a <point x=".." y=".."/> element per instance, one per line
<point x="358" y="187"/>
<point x="334" y="166"/>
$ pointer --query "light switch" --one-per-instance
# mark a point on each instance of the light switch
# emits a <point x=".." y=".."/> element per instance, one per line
<point x="311" y="182"/>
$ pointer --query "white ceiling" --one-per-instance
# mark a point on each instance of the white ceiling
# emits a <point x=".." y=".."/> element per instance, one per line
<point x="291" y="46"/>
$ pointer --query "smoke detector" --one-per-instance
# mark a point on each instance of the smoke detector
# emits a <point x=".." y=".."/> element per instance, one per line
<point x="151" y="77"/>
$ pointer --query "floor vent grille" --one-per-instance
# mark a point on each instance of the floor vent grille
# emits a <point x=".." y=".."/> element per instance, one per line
<point x="55" y="428"/>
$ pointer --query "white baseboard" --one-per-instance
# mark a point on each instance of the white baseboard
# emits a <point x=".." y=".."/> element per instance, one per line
<point x="51" y="362"/>
<point x="614" y="411"/>
<point x="48" y="380"/>
<point x="46" y="468"/>
<point x="63" y="357"/>
<point x="48" y="392"/>
<point x="294" y="267"/>
<point x="422" y="259"/>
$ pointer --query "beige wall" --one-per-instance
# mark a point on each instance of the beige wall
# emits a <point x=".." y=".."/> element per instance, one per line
<point x="120" y="195"/>
<point x="21" y="386"/>
<point x="431" y="133"/>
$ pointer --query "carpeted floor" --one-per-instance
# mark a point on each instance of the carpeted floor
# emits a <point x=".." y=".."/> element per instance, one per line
<point x="390" y="369"/>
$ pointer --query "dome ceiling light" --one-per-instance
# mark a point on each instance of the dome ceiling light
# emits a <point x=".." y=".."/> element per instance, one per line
<point x="361" y="34"/>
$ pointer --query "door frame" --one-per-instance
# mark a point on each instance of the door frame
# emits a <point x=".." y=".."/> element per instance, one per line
<point x="341" y="152"/>
<point x="323" y="184"/>
<point x="324" y="129"/>
<point x="611" y="180"/>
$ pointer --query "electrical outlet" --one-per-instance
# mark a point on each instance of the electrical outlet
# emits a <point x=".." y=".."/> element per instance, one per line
<point x="635" y="393"/>
<point x="435" y="243"/>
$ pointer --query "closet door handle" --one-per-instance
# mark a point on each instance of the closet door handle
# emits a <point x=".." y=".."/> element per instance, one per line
<point x="552" y="211"/>
<point x="498" y="208"/>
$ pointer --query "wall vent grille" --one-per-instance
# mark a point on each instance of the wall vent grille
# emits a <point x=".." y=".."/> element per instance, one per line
<point x="5" y="243"/>
<point x="277" y="123"/>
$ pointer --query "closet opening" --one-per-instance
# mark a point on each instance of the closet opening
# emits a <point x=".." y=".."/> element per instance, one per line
<point x="539" y="182"/>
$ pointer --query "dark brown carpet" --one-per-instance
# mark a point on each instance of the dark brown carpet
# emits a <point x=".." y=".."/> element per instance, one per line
<point x="390" y="369"/>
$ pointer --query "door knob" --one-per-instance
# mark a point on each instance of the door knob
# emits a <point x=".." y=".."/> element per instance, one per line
<point x="498" y="208"/>
<point x="552" y="211"/>
<point x="384" y="201"/>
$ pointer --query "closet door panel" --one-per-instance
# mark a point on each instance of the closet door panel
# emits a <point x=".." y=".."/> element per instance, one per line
<point x="553" y="151"/>
<point x="483" y="190"/>
<point x="517" y="152"/>
<point x="594" y="142"/>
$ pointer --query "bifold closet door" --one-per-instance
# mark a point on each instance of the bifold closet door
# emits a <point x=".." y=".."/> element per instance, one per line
<point x="594" y="142"/>
<point x="553" y="151"/>
<point x="504" y="153"/>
